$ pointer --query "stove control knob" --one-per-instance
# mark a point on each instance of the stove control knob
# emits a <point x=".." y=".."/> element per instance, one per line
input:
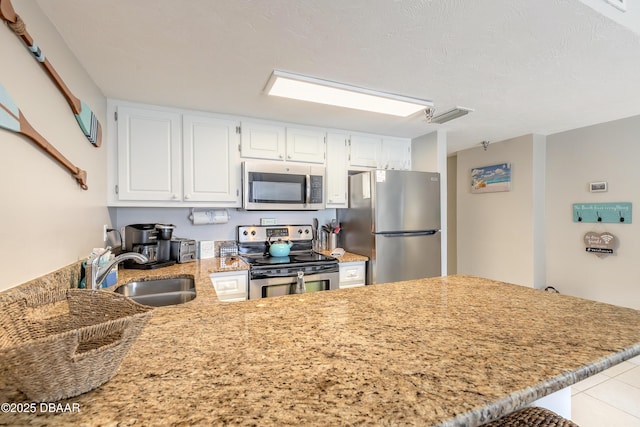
<point x="300" y="231"/>
<point x="253" y="232"/>
<point x="306" y="231"/>
<point x="245" y="232"/>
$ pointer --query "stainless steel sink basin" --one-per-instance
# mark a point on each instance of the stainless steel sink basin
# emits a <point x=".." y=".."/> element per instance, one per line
<point x="160" y="292"/>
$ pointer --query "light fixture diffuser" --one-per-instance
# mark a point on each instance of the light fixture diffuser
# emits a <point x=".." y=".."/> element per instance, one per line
<point x="454" y="113"/>
<point x="311" y="89"/>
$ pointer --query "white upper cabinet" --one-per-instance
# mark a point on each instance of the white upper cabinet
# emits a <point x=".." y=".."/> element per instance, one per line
<point x="168" y="157"/>
<point x="268" y="141"/>
<point x="364" y="151"/>
<point x="372" y="151"/>
<point x="305" y="145"/>
<point x="395" y="154"/>
<point x="337" y="170"/>
<point x="211" y="160"/>
<point x="262" y="140"/>
<point x="149" y="154"/>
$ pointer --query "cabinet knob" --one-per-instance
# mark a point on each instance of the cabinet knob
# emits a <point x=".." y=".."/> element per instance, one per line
<point x="174" y="196"/>
<point x="280" y="156"/>
<point x="289" y="156"/>
<point x="187" y="197"/>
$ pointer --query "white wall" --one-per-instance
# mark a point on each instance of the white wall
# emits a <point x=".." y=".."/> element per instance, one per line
<point x="605" y="152"/>
<point x="429" y="154"/>
<point x="48" y="222"/>
<point x="496" y="230"/>
<point x="452" y="220"/>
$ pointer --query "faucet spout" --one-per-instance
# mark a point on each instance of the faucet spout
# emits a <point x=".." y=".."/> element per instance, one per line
<point x="97" y="274"/>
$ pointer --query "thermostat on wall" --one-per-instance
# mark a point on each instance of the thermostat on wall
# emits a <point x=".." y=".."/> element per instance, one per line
<point x="598" y="187"/>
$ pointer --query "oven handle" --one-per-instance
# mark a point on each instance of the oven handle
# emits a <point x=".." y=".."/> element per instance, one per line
<point x="307" y="198"/>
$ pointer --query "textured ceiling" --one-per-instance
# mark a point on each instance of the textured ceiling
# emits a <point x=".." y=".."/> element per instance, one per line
<point x="524" y="66"/>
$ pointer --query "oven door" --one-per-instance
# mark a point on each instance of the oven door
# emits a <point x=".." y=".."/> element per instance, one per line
<point x="278" y="286"/>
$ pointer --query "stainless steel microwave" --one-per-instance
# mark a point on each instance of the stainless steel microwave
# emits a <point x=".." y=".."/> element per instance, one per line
<point x="278" y="186"/>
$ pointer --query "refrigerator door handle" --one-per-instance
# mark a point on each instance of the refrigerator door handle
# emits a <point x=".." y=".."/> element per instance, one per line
<point x="410" y="233"/>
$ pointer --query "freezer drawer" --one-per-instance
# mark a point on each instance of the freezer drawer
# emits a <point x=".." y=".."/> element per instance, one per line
<point x="405" y="257"/>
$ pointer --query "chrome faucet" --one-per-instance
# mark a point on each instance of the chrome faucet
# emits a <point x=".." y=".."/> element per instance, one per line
<point x="95" y="274"/>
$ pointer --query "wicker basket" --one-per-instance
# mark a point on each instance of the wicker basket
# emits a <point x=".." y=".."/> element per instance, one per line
<point x="60" y="343"/>
<point x="532" y="416"/>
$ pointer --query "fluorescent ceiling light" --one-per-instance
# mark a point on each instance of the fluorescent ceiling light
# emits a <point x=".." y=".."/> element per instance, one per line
<point x="454" y="113"/>
<point x="304" y="88"/>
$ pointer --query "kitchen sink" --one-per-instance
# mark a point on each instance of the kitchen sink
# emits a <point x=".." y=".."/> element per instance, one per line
<point x="160" y="292"/>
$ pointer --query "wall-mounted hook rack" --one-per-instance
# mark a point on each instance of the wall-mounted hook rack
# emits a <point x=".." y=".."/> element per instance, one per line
<point x="619" y="213"/>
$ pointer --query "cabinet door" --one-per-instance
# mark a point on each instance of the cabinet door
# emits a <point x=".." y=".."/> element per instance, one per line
<point x="262" y="141"/>
<point x="352" y="274"/>
<point x="395" y="154"/>
<point x="364" y="151"/>
<point x="305" y="145"/>
<point x="336" y="172"/>
<point x="230" y="286"/>
<point x="149" y="163"/>
<point x="211" y="160"/>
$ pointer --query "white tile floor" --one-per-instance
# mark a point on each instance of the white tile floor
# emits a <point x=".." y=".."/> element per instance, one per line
<point x="610" y="398"/>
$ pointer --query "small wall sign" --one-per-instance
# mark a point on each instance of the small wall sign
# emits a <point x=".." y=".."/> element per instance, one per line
<point x="598" y="187"/>
<point x="600" y="244"/>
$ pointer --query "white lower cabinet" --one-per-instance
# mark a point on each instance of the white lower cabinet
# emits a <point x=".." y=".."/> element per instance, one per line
<point x="230" y="286"/>
<point x="352" y="274"/>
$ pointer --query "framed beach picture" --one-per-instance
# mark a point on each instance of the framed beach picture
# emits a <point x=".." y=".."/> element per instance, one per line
<point x="490" y="179"/>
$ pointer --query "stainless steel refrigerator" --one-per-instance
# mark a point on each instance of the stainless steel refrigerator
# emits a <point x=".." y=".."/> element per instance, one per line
<point x="394" y="219"/>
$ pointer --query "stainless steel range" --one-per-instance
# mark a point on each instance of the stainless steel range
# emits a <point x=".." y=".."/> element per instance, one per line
<point x="282" y="275"/>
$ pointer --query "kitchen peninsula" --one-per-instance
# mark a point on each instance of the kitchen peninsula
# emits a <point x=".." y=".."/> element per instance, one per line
<point x="446" y="351"/>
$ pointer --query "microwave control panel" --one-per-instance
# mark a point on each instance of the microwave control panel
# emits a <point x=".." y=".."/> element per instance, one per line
<point x="316" y="189"/>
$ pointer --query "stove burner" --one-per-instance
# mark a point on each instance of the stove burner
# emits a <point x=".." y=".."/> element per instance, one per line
<point x="273" y="260"/>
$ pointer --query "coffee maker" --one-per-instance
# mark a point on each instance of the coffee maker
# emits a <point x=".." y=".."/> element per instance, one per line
<point x="150" y="240"/>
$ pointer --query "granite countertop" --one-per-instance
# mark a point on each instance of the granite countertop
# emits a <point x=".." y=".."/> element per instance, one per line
<point x="347" y="257"/>
<point x="447" y="351"/>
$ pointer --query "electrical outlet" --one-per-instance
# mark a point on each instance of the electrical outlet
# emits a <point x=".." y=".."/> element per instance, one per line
<point x="104" y="232"/>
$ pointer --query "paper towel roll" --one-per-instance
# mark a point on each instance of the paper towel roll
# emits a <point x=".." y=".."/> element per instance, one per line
<point x="209" y="217"/>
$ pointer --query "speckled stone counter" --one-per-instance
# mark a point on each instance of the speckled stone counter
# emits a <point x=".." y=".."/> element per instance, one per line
<point x="347" y="257"/>
<point x="451" y="351"/>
